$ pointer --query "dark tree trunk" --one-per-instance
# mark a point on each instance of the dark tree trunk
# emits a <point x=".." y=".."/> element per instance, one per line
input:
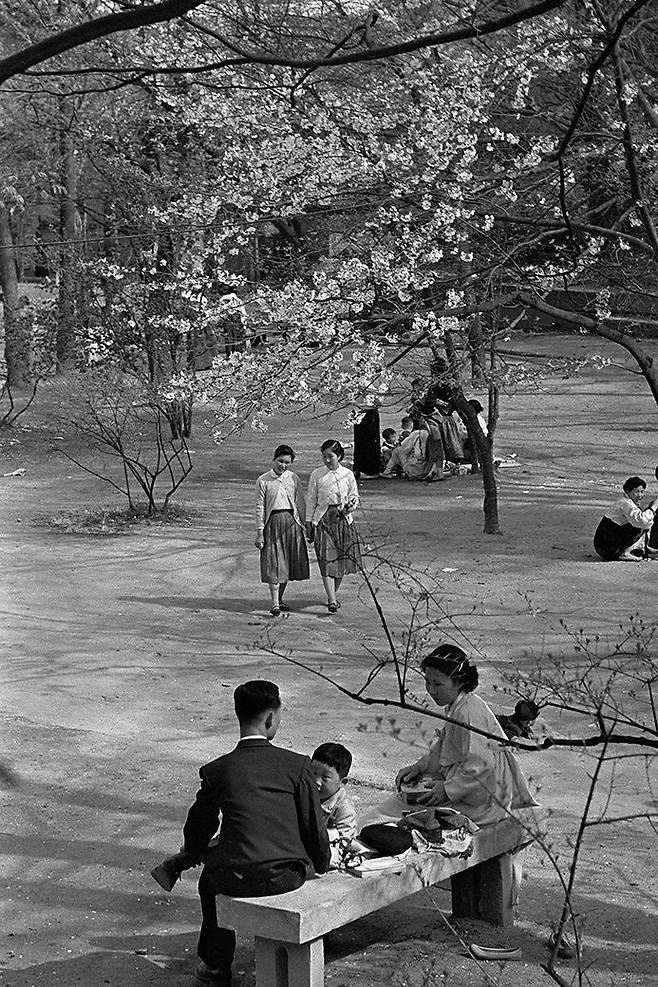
<point x="484" y="444"/>
<point x="66" y="322"/>
<point x="19" y="355"/>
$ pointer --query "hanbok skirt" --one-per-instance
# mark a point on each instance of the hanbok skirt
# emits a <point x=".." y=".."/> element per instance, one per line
<point x="337" y="544"/>
<point x="611" y="539"/>
<point x="284" y="558"/>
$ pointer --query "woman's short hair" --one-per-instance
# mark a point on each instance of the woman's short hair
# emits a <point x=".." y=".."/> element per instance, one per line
<point x="284" y="451"/>
<point x="632" y="482"/>
<point x="333" y="445"/>
<point x="453" y="662"/>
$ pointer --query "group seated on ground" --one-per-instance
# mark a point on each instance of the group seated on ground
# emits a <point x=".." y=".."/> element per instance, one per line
<point x="438" y="442"/>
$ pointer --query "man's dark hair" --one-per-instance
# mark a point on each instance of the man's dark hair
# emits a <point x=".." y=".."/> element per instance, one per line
<point x="336" y="756"/>
<point x="254" y="698"/>
<point x="388" y="433"/>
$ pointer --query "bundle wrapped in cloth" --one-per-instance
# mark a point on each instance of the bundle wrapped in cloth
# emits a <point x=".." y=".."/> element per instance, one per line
<point x="392" y="845"/>
<point x="446" y="831"/>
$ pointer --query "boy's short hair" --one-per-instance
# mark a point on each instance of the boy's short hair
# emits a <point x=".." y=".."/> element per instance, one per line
<point x="254" y="698"/>
<point x="407" y="422"/>
<point x="336" y="756"/>
<point x="388" y="433"/>
<point x="526" y="709"/>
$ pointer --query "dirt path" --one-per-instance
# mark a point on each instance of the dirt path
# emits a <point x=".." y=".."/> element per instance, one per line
<point x="121" y="654"/>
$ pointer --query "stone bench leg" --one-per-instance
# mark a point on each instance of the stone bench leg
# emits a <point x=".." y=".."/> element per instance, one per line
<point x="285" y="964"/>
<point x="485" y="892"/>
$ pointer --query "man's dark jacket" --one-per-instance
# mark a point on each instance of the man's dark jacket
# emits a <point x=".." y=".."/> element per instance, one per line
<point x="270" y="812"/>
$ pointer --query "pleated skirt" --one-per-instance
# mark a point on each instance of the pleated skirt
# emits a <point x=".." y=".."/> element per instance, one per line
<point x="337" y="545"/>
<point x="284" y="558"/>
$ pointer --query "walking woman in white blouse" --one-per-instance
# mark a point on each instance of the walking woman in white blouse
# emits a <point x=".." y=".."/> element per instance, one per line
<point x="280" y="528"/>
<point x="332" y="497"/>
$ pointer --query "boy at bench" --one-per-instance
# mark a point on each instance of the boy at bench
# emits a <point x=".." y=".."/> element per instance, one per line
<point x="330" y="764"/>
<point x="272" y="825"/>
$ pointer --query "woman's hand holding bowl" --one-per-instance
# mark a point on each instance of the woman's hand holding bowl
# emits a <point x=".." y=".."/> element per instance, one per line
<point x="407" y="775"/>
<point x="436" y="795"/>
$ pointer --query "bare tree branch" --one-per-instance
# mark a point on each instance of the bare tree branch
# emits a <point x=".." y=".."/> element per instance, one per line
<point x="101" y="27"/>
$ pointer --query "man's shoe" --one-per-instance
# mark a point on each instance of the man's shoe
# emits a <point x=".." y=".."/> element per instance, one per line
<point x="165" y="876"/>
<point x="219" y="977"/>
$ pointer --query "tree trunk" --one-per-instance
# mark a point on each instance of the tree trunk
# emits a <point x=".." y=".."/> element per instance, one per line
<point x="484" y="446"/>
<point x="66" y="323"/>
<point x="18" y="344"/>
<point x="476" y="348"/>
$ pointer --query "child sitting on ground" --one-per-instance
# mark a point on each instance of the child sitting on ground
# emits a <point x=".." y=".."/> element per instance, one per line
<point x="330" y="764"/>
<point x="389" y="442"/>
<point x="519" y="724"/>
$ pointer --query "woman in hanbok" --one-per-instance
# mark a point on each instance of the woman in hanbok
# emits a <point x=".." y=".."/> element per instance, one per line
<point x="331" y="500"/>
<point x="622" y="529"/>
<point x="474" y="774"/>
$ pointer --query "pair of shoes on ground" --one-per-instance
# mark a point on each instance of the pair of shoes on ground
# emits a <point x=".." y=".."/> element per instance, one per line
<point x="276" y="611"/>
<point x="220" y="977"/>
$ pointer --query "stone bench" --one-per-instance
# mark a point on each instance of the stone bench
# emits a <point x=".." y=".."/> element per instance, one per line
<point x="288" y="928"/>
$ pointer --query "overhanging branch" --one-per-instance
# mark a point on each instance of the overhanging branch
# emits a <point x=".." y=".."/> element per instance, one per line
<point x="142" y="16"/>
<point x="99" y="27"/>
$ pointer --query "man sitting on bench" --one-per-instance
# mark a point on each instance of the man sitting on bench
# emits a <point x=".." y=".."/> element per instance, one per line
<point x="272" y="825"/>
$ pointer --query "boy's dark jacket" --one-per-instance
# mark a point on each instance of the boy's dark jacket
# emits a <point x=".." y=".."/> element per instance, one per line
<point x="270" y="811"/>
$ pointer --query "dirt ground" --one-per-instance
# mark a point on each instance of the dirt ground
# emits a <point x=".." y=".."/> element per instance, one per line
<point x="120" y="654"/>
